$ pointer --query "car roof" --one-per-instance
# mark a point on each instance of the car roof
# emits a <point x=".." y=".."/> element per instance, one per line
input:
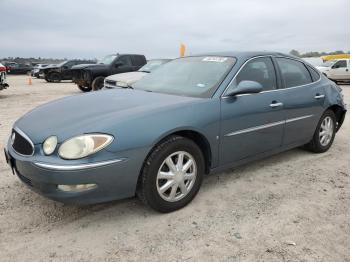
<point x="246" y="54"/>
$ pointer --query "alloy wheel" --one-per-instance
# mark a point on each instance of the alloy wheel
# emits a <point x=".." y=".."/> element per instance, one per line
<point x="326" y="131"/>
<point x="176" y="176"/>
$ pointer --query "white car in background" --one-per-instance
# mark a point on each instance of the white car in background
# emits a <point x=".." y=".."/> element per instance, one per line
<point x="36" y="70"/>
<point x="336" y="70"/>
<point x="3" y="83"/>
<point x="125" y="80"/>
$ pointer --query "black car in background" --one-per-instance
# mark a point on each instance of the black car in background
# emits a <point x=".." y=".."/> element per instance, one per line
<point x="17" y="69"/>
<point x="62" y="71"/>
<point x="91" y="77"/>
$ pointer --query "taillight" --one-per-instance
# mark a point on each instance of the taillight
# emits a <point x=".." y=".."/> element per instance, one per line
<point x="2" y="68"/>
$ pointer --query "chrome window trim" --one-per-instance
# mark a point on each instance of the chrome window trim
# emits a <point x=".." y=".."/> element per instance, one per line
<point x="78" y="166"/>
<point x="256" y="128"/>
<point x="267" y="91"/>
<point x="19" y="131"/>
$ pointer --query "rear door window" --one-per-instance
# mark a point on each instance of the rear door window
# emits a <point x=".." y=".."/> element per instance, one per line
<point x="125" y="60"/>
<point x="314" y="74"/>
<point x="138" y="60"/>
<point x="294" y="73"/>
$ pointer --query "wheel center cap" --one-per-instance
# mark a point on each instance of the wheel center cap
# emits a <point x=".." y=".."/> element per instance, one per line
<point x="179" y="176"/>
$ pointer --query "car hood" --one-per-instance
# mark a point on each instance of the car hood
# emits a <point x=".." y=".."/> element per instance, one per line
<point x="90" y="66"/>
<point x="128" y="78"/>
<point x="49" y="67"/>
<point x="322" y="68"/>
<point x="94" y="112"/>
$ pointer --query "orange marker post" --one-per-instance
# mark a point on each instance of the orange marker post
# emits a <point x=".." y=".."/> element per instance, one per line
<point x="30" y="80"/>
<point x="182" y="50"/>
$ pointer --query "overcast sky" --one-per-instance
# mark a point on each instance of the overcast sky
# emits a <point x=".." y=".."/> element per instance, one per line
<point x="91" y="28"/>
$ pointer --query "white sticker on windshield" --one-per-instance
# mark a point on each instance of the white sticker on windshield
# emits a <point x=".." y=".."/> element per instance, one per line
<point x="215" y="59"/>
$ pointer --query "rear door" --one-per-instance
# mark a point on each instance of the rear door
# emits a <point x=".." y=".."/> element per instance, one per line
<point x="251" y="123"/>
<point x="302" y="97"/>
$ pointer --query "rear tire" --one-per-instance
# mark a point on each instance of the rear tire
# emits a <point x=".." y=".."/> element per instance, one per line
<point x="324" y="134"/>
<point x="85" y="88"/>
<point x="98" y="83"/>
<point x="167" y="183"/>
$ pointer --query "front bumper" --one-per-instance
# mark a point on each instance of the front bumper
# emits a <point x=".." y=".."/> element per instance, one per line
<point x="115" y="179"/>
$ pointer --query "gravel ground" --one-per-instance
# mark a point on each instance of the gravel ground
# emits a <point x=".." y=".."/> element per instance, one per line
<point x="291" y="207"/>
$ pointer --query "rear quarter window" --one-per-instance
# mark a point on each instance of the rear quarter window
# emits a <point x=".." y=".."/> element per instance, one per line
<point x="294" y="73"/>
<point x="138" y="60"/>
<point x="314" y="73"/>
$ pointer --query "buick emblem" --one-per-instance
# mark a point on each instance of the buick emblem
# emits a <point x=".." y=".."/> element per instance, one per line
<point x="13" y="137"/>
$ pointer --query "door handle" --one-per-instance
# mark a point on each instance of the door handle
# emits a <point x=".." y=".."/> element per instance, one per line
<point x="276" y="104"/>
<point x="318" y="96"/>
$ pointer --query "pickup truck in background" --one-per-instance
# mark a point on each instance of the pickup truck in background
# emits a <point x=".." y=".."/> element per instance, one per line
<point x="62" y="71"/>
<point x="336" y="70"/>
<point x="125" y="80"/>
<point x="3" y="83"/>
<point x="17" y="69"/>
<point x="91" y="77"/>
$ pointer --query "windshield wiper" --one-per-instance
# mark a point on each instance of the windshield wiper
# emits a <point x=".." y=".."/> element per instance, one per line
<point x="145" y="71"/>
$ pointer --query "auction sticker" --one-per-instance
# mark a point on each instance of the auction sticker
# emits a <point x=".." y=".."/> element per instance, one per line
<point x="217" y="59"/>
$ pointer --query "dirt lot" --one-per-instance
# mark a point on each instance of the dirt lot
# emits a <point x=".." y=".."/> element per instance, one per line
<point x="291" y="207"/>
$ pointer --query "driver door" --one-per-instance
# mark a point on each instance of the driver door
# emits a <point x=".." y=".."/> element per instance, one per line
<point x="252" y="123"/>
<point x="67" y="70"/>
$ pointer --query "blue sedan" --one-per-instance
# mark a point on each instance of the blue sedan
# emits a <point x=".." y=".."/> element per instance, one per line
<point x="193" y="116"/>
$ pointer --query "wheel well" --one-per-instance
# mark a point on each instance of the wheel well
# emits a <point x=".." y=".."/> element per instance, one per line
<point x="339" y="114"/>
<point x="202" y="142"/>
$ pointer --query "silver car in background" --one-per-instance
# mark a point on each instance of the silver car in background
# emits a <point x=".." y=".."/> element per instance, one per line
<point x="125" y="80"/>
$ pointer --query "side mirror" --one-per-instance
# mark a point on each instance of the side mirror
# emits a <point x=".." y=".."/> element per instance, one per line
<point x="118" y="64"/>
<point x="246" y="87"/>
<point x="335" y="66"/>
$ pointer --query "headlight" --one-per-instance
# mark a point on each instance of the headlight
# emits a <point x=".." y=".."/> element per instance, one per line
<point x="122" y="84"/>
<point x="84" y="145"/>
<point x="49" y="145"/>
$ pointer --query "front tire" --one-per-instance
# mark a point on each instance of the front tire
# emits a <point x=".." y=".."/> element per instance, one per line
<point x="324" y="135"/>
<point x="85" y="88"/>
<point x="54" y="77"/>
<point x="172" y="174"/>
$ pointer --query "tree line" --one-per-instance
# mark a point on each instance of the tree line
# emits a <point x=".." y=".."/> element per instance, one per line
<point x="35" y="60"/>
<point x="316" y="54"/>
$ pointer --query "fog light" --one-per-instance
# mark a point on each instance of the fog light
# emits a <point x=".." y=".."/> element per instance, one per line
<point x="76" y="188"/>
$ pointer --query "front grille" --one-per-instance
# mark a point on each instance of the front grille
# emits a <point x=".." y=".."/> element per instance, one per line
<point x="21" y="143"/>
<point x="25" y="179"/>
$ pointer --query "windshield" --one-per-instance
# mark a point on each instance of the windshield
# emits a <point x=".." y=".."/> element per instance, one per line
<point x="107" y="60"/>
<point x="151" y="65"/>
<point x="328" y="63"/>
<point x="61" y="64"/>
<point x="189" y="76"/>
